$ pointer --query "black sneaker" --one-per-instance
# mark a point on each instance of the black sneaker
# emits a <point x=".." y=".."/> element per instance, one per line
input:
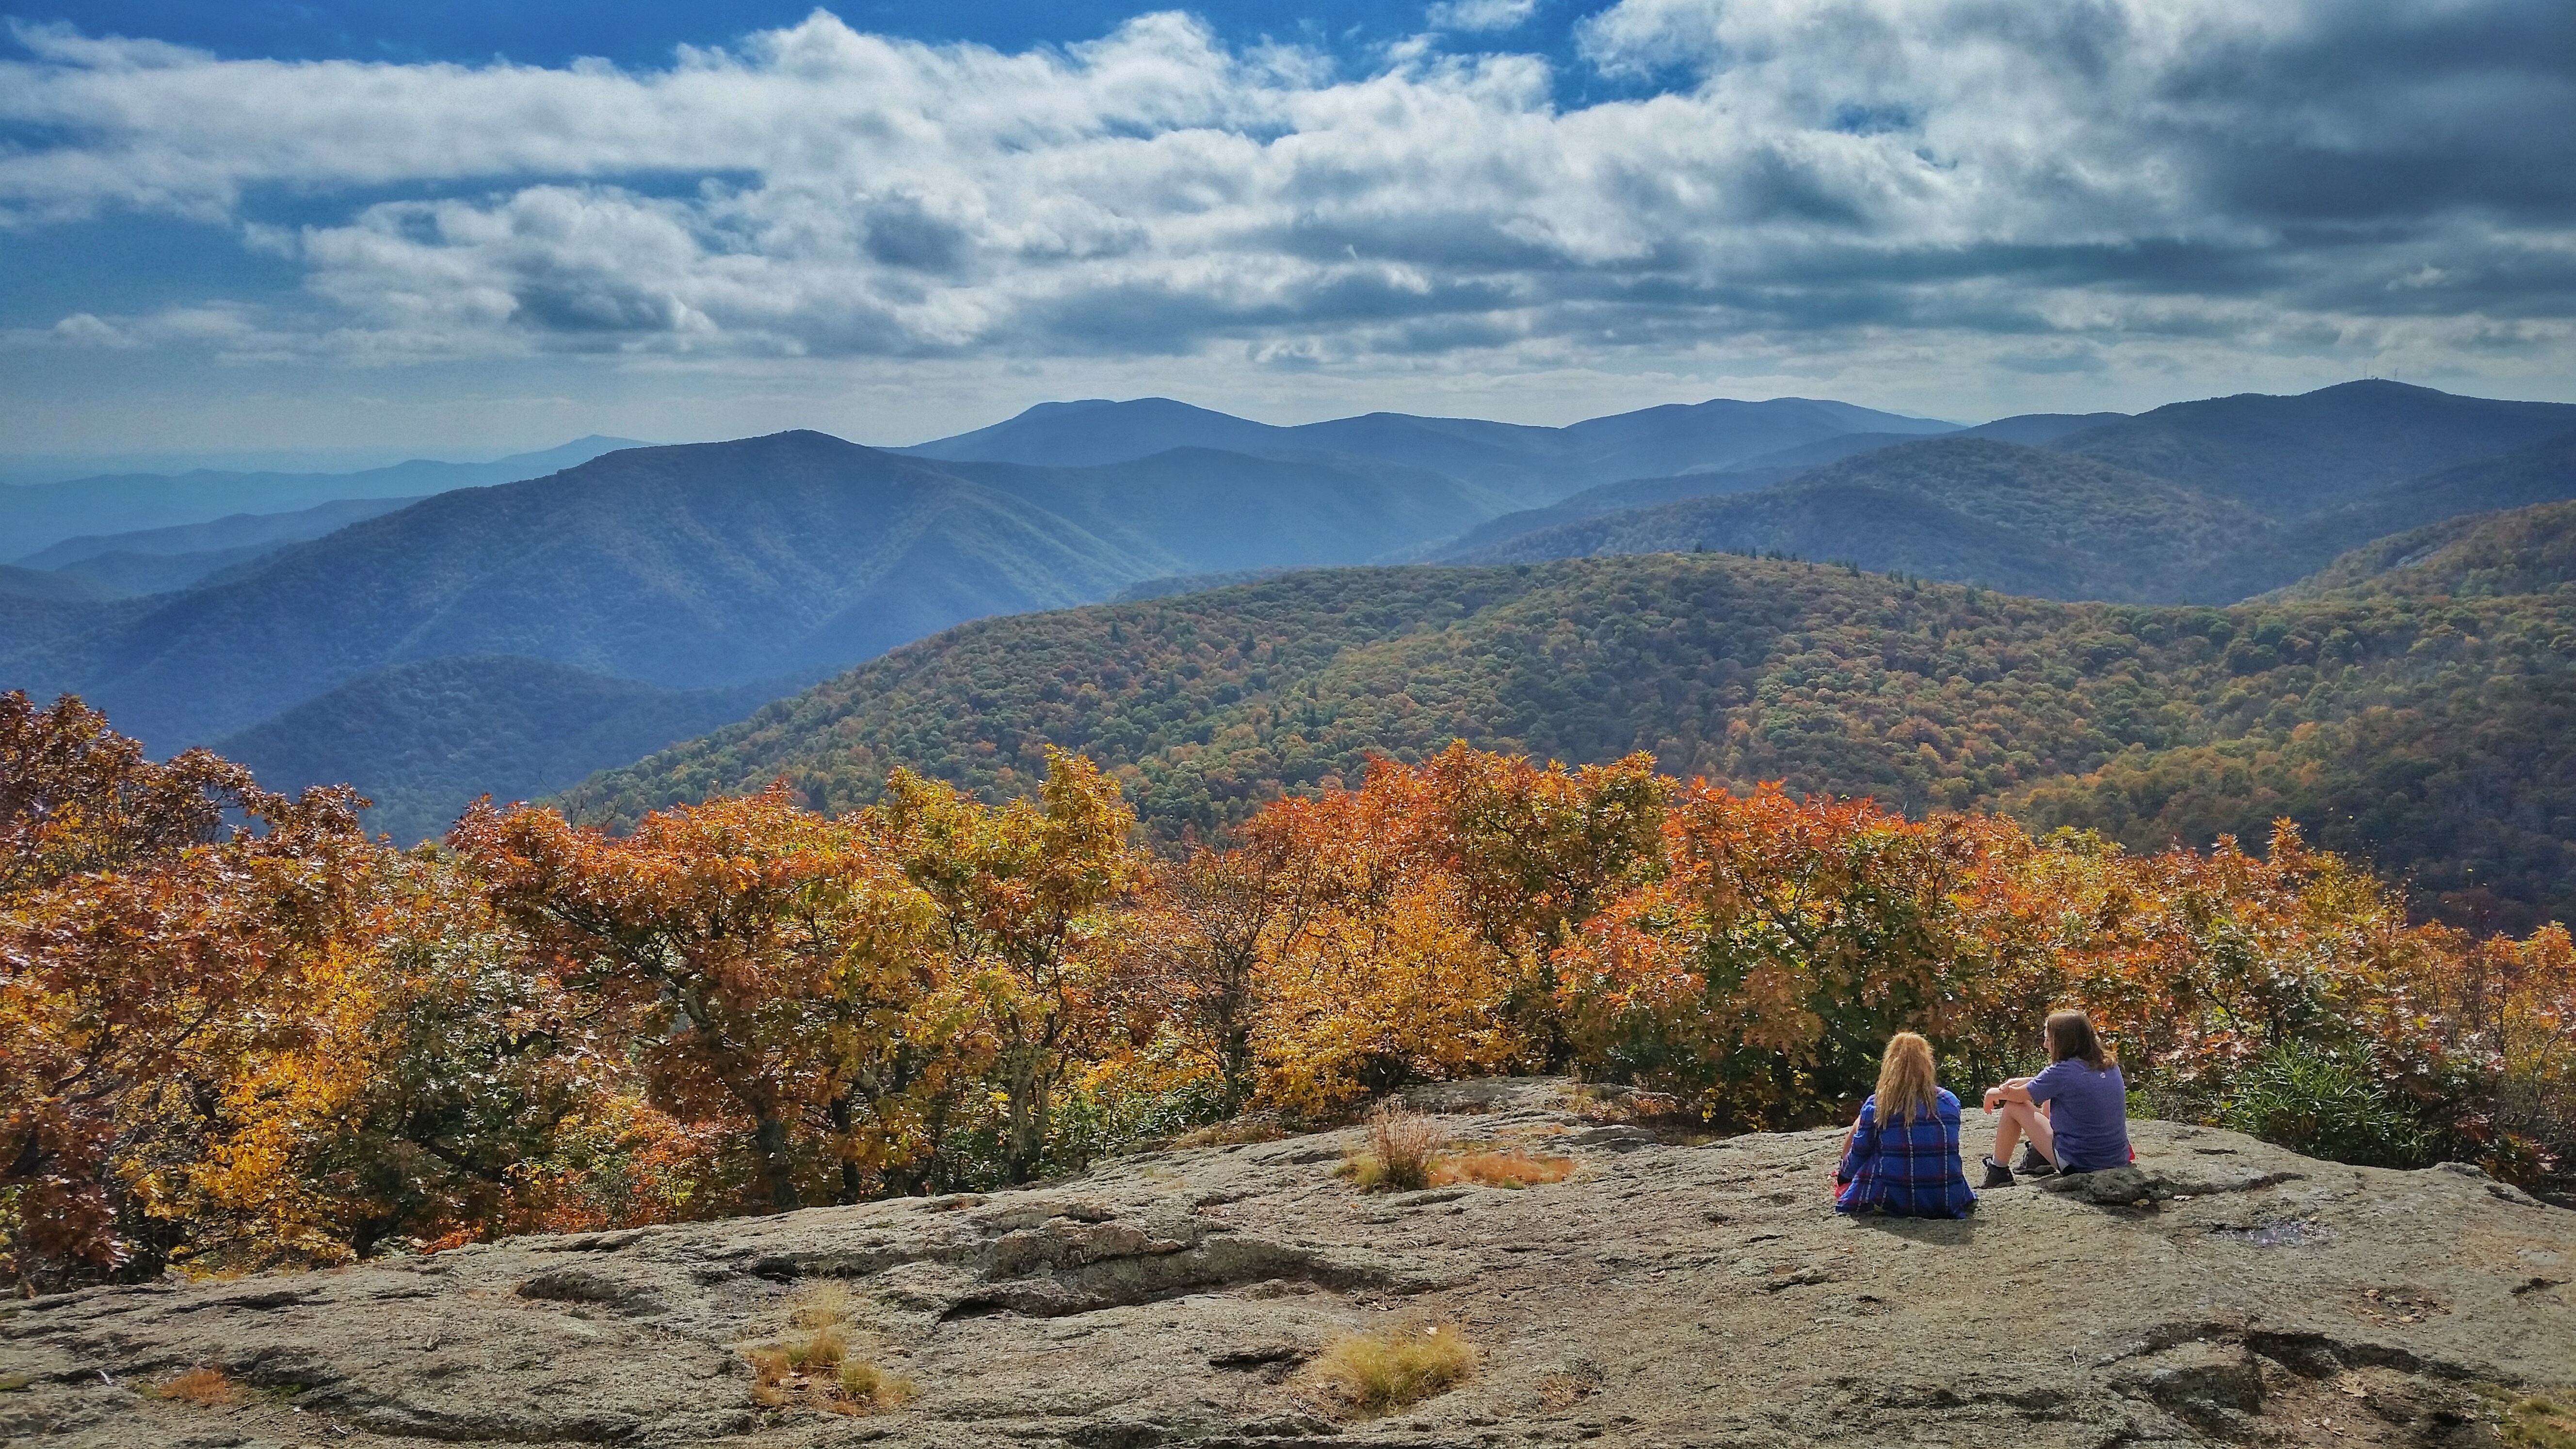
<point x="1997" y="1175"/>
<point x="2034" y="1165"/>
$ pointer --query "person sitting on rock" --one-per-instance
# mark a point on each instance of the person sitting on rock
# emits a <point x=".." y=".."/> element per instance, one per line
<point x="1902" y="1157"/>
<point x="2075" y="1113"/>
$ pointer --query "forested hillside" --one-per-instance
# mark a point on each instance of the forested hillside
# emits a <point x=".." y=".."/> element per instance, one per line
<point x="430" y="736"/>
<point x="2026" y="520"/>
<point x="1920" y="695"/>
<point x="2206" y="502"/>
<point x="2319" y="450"/>
<point x="2514" y="551"/>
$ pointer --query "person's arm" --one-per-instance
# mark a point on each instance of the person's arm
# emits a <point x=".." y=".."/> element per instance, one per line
<point x="2016" y="1090"/>
<point x="1858" y="1143"/>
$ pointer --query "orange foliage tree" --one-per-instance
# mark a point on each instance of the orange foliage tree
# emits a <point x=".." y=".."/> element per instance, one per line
<point x="1025" y="900"/>
<point x="154" y="963"/>
<point x="771" y="968"/>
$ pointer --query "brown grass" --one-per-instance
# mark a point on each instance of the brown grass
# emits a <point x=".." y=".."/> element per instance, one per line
<point x="868" y="1389"/>
<point x="821" y="1349"/>
<point x="819" y="1305"/>
<point x="1367" y="1375"/>
<point x="206" y="1388"/>
<point x="1510" y="1167"/>
<point x="1401" y="1144"/>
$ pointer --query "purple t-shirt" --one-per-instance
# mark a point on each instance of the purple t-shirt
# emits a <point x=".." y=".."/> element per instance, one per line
<point x="2091" y="1115"/>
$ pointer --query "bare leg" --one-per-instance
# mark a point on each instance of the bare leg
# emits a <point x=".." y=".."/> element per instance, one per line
<point x="2021" y="1119"/>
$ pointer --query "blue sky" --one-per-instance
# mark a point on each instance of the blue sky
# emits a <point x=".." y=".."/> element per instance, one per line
<point x="375" y="230"/>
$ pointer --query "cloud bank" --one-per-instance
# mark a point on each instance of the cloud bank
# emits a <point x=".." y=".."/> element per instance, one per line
<point x="2028" y="186"/>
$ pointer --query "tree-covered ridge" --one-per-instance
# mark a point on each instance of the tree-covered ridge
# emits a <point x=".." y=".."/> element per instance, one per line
<point x="1972" y="510"/>
<point x="2517" y="551"/>
<point x="1923" y="696"/>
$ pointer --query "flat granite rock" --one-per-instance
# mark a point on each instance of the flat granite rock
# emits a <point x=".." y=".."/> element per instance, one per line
<point x="2223" y="1290"/>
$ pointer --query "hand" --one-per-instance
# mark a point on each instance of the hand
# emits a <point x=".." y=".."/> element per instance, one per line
<point x="1994" y="1097"/>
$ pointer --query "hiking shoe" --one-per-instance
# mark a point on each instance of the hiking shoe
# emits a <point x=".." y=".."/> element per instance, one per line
<point x="2031" y="1164"/>
<point x="1997" y="1175"/>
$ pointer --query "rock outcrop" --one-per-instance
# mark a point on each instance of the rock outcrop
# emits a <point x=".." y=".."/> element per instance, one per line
<point x="2222" y="1290"/>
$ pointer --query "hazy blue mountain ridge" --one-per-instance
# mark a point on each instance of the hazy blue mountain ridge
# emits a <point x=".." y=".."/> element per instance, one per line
<point x="35" y="516"/>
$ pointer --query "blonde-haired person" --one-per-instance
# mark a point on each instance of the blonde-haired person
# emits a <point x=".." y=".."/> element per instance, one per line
<point x="2075" y="1114"/>
<point x="1902" y="1157"/>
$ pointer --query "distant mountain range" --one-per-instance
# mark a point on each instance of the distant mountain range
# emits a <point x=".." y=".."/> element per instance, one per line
<point x="36" y="516"/>
<point x="654" y="590"/>
<point x="2414" y="714"/>
<point x="2260" y="492"/>
<point x="1535" y="465"/>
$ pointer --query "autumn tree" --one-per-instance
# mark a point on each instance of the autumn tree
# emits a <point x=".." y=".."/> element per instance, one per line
<point x="1196" y="941"/>
<point x="1377" y="973"/>
<point x="1024" y="897"/>
<point x="152" y="959"/>
<point x="774" y="968"/>
<point x="1790" y="939"/>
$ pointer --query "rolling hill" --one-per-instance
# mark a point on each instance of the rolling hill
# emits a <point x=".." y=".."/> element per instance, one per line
<point x="2291" y="456"/>
<point x="35" y="516"/>
<point x="2151" y="723"/>
<point x="2482" y="555"/>
<point x="1532" y="465"/>
<point x="2025" y="520"/>
<point x="716" y="564"/>
<point x="428" y="737"/>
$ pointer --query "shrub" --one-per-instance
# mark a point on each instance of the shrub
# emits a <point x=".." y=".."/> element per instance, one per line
<point x="1370" y="1374"/>
<point x="2325" y="1106"/>
<point x="867" y="1389"/>
<point x="1402" y="1143"/>
<point x="206" y="1388"/>
<point x="1513" y="1167"/>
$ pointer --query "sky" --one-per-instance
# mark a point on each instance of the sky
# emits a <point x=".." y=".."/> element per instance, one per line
<point x="361" y="231"/>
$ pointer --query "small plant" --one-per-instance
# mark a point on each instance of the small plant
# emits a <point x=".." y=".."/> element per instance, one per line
<point x="2312" y="1102"/>
<point x="1513" y="1167"/>
<point x="1402" y="1143"/>
<point x="207" y="1388"/>
<point x="868" y="1389"/>
<point x="1372" y="1374"/>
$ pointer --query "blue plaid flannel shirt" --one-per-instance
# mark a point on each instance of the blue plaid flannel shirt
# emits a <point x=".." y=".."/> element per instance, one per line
<point x="1909" y="1170"/>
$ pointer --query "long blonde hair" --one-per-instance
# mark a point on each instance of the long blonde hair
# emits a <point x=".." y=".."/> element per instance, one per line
<point x="1908" y="1087"/>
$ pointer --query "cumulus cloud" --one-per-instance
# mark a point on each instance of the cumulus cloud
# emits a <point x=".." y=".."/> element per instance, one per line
<point x="2041" y="176"/>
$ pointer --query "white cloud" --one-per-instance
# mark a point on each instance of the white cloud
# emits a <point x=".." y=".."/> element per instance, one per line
<point x="2021" y="182"/>
<point x="1480" y="15"/>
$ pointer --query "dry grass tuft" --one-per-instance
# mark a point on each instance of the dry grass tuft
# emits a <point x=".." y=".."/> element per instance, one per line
<point x="206" y="1388"/>
<point x="868" y="1389"/>
<point x="1512" y="1167"/>
<point x="822" y="1349"/>
<point x="1402" y="1143"/>
<point x="769" y="1370"/>
<point x="819" y="1305"/>
<point x="1370" y="1374"/>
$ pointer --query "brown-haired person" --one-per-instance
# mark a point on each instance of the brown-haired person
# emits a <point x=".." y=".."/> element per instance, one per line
<point x="1902" y="1157"/>
<point x="2075" y="1114"/>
